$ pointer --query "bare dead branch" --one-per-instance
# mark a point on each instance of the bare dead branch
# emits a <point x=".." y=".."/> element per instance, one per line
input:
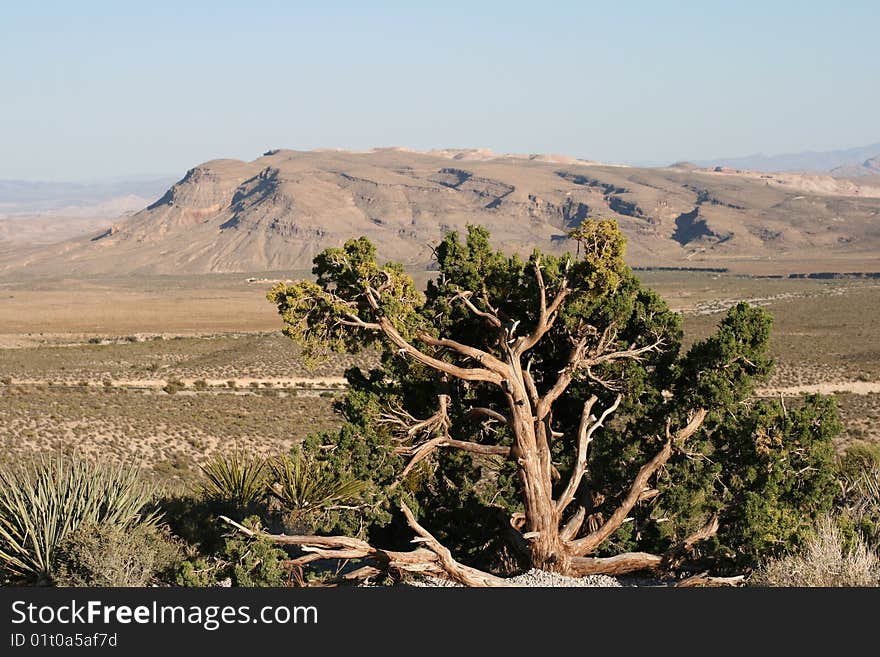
<point x="482" y="357"/>
<point x="546" y="315"/>
<point x="619" y="564"/>
<point x="464" y="373"/>
<point x="703" y="579"/>
<point x="423" y="450"/>
<point x="458" y="572"/>
<point x="419" y="560"/>
<point x="585" y="437"/>
<point x="531" y="388"/>
<point x="362" y="573"/>
<point x="438" y="422"/>
<point x="630" y="354"/>
<point x="648" y="494"/>
<point x="491" y="318"/>
<point x="590" y="542"/>
<point x="572" y="527"/>
<point x="679" y="552"/>
<point x="563" y="380"/>
<point x="480" y="411"/>
<point x="354" y="320"/>
<point x="630" y="562"/>
<point x="706" y="531"/>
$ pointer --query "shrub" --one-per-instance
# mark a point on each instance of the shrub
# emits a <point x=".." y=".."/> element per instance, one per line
<point x="242" y="562"/>
<point x="43" y="503"/>
<point x="859" y="499"/>
<point x="236" y="479"/>
<point x="193" y="518"/>
<point x="825" y="560"/>
<point x="308" y="489"/>
<point x="173" y="385"/>
<point x="111" y="555"/>
<point x="200" y="384"/>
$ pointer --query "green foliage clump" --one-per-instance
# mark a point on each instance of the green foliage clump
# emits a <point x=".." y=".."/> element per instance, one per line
<point x="321" y="322"/>
<point x="111" y="555"/>
<point x="43" y="503"/>
<point x="309" y="489"/>
<point x="859" y="497"/>
<point x="768" y="473"/>
<point x="242" y="561"/>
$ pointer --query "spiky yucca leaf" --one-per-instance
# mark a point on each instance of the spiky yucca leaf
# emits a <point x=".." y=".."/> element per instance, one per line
<point x="236" y="478"/>
<point x="305" y="486"/>
<point x="42" y="503"/>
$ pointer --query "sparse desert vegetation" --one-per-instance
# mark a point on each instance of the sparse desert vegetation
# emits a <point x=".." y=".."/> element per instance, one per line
<point x="188" y="391"/>
<point x="167" y="435"/>
<point x="54" y="389"/>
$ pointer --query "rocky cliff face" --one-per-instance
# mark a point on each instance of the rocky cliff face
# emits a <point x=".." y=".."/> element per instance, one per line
<point x="277" y="212"/>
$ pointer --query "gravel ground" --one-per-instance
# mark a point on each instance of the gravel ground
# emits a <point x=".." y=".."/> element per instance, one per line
<point x="537" y="577"/>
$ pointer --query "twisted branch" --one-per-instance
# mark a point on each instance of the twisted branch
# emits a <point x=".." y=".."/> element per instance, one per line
<point x="593" y="540"/>
<point x="585" y="437"/>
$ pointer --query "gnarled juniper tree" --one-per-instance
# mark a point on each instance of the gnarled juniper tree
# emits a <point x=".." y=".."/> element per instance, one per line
<point x="550" y="397"/>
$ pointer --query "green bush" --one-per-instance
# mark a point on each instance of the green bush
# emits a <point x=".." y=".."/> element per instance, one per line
<point x="43" y="503"/>
<point x="111" y="555"/>
<point x="308" y="489"/>
<point x="194" y="518"/>
<point x="235" y="478"/>
<point x="859" y="499"/>
<point x="768" y="473"/>
<point x="242" y="561"/>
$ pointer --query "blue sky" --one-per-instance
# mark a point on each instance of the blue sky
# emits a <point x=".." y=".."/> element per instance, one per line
<point x="99" y="89"/>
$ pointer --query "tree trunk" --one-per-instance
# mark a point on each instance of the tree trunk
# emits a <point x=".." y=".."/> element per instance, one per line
<point x="546" y="547"/>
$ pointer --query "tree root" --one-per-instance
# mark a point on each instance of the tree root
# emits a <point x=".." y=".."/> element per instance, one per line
<point x="434" y="559"/>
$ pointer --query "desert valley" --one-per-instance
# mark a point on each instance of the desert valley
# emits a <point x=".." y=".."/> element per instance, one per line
<point x="140" y="336"/>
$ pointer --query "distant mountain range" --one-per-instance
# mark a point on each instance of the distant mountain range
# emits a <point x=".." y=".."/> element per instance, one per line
<point x="38" y="212"/>
<point x="860" y="161"/>
<point x="21" y="197"/>
<point x="276" y="212"/>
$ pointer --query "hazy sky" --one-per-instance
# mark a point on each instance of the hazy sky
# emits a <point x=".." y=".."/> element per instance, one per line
<point x="97" y="89"/>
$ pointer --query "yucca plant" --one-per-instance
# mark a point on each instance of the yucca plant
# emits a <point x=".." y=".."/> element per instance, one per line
<point x="235" y="478"/>
<point x="44" y="502"/>
<point x="865" y="505"/>
<point x="307" y="487"/>
<point x="860" y="490"/>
